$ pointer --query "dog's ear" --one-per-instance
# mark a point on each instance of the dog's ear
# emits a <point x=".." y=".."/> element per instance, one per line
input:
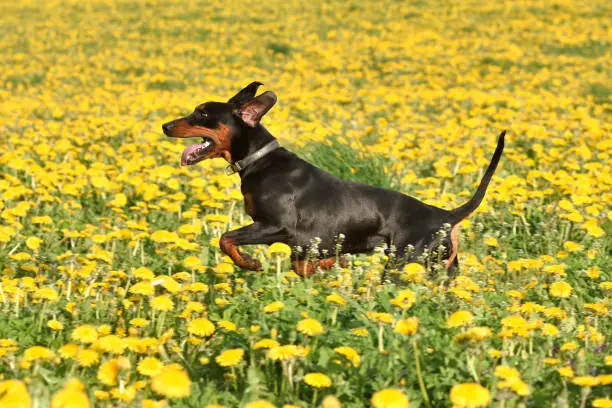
<point x="246" y="94"/>
<point x="252" y="111"/>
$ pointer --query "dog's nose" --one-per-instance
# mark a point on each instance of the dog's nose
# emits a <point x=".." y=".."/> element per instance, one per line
<point x="167" y="127"/>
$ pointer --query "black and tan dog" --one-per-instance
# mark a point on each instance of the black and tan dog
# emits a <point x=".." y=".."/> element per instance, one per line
<point x="294" y="202"/>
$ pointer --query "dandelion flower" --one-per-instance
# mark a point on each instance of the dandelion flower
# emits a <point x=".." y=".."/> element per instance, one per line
<point x="69" y="350"/>
<point x="38" y="353"/>
<point x="404" y="299"/>
<point x="360" y="331"/>
<point x="55" y="325"/>
<point x="470" y="395"/>
<point x="380" y="317"/>
<point x="350" y="353"/>
<point x="566" y="372"/>
<point x="408" y="326"/>
<point x="283" y="353"/>
<point x="173" y="382"/>
<point x="14" y="394"/>
<point x="85" y="334"/>
<point x="150" y="367"/>
<point x="560" y="290"/>
<point x="87" y="357"/>
<point x="459" y="319"/>
<point x="265" y="344"/>
<point x="201" y="327"/>
<point x="310" y="327"/>
<point x="390" y="398"/>
<point x="108" y="372"/>
<point x="279" y="249"/>
<point x="273" y="307"/>
<point x="336" y="298"/>
<point x="230" y="358"/>
<point x="226" y="325"/>
<point x="111" y="344"/>
<point x="162" y="303"/>
<point x="318" y="380"/>
<point x="586" y="381"/>
<point x="71" y="396"/>
<point x="139" y="322"/>
<point x="602" y="403"/>
<point x="142" y="288"/>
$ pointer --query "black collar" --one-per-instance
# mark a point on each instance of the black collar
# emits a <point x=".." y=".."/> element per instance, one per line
<point x="252" y="158"/>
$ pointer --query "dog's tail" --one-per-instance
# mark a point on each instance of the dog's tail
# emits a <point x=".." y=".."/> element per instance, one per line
<point x="460" y="213"/>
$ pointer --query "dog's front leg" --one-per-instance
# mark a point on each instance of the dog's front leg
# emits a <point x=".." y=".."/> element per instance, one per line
<point x="256" y="233"/>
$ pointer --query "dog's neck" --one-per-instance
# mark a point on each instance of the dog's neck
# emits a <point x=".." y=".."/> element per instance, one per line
<point x="251" y="140"/>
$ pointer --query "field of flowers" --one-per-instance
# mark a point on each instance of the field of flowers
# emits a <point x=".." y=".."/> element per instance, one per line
<point x="113" y="289"/>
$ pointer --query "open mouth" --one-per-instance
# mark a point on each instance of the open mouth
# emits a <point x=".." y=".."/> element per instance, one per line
<point x="197" y="152"/>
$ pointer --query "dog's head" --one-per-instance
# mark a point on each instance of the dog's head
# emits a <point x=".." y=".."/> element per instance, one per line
<point x="221" y="125"/>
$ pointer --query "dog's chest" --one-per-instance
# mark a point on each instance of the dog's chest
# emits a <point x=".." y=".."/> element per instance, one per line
<point x="249" y="204"/>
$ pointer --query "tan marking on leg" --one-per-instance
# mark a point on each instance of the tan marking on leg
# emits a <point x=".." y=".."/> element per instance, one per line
<point x="454" y="238"/>
<point x="329" y="263"/>
<point x="229" y="247"/>
<point x="303" y="268"/>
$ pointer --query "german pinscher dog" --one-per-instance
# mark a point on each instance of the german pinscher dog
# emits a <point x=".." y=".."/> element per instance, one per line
<point x="294" y="202"/>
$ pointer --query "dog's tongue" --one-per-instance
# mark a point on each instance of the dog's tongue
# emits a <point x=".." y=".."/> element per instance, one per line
<point x="195" y="152"/>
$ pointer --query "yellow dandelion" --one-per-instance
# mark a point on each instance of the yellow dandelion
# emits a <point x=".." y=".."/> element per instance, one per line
<point x="408" y="326"/>
<point x="602" y="403"/>
<point x="459" y="319"/>
<point x="470" y="395"/>
<point x="330" y="401"/>
<point x="201" y="327"/>
<point x="14" y="394"/>
<point x="55" y="325"/>
<point x="265" y="344"/>
<point x="162" y="303"/>
<point x="142" y="288"/>
<point x="310" y="327"/>
<point x="380" y="317"/>
<point x="278" y="249"/>
<point x="283" y="353"/>
<point x="336" y="298"/>
<point x="139" y="322"/>
<point x="226" y="325"/>
<point x="560" y="290"/>
<point x="173" y="382"/>
<point x="71" y="396"/>
<point x="68" y="351"/>
<point x="38" y="353"/>
<point x="230" y="358"/>
<point x="273" y="307"/>
<point x="108" y="372"/>
<point x="360" y="331"/>
<point x="566" y="372"/>
<point x="586" y="381"/>
<point x="33" y="243"/>
<point x="350" y="353"/>
<point x="85" y="334"/>
<point x="404" y="299"/>
<point x="150" y="367"/>
<point x="87" y="357"/>
<point x="318" y="380"/>
<point x="111" y="344"/>
<point x="390" y="398"/>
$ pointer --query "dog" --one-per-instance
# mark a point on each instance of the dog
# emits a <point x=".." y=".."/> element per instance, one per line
<point x="294" y="202"/>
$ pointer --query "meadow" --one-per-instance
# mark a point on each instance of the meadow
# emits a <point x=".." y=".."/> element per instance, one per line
<point x="113" y="289"/>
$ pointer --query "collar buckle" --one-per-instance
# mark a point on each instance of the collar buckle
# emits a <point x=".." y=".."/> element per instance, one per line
<point x="233" y="168"/>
